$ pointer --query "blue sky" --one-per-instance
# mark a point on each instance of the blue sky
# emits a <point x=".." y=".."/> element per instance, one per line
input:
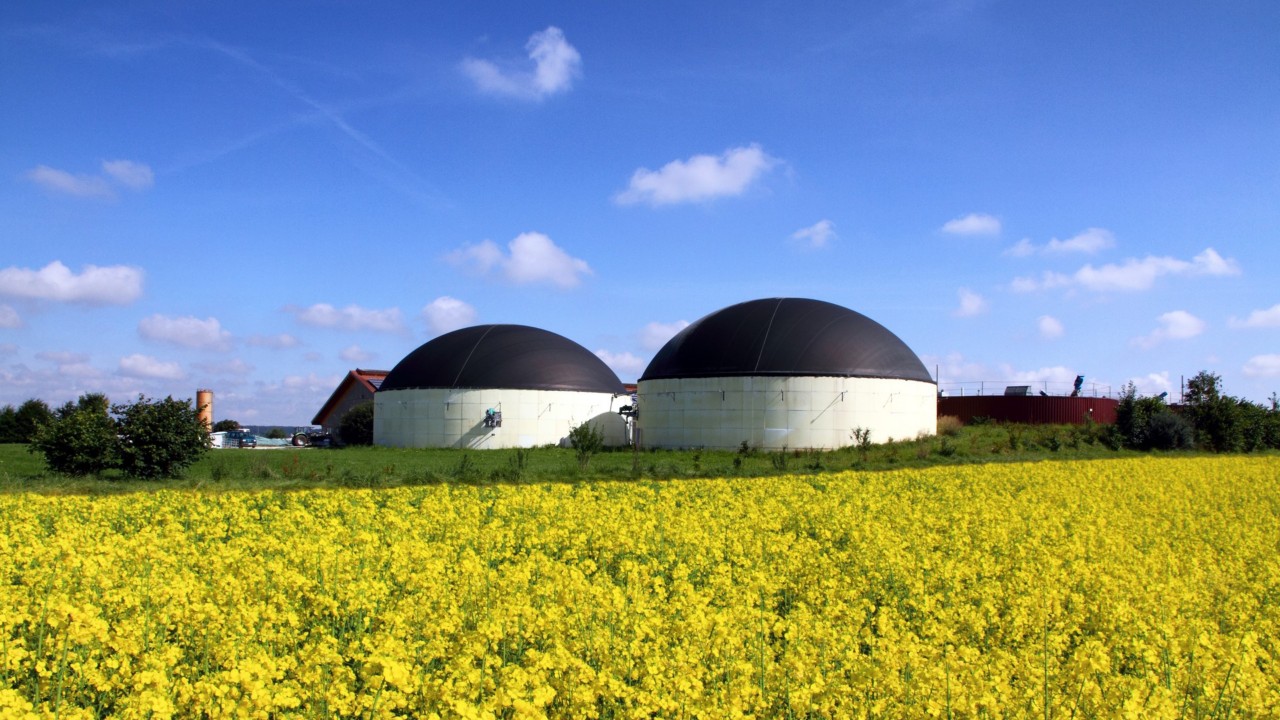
<point x="258" y="197"/>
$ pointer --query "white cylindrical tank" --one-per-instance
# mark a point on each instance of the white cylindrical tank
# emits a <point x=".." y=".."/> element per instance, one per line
<point x="497" y="386"/>
<point x="784" y="373"/>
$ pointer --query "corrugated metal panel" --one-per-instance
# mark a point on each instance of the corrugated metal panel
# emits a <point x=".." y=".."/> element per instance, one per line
<point x="1036" y="410"/>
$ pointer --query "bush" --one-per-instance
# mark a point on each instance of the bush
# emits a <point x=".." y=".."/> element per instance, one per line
<point x="586" y="440"/>
<point x="1170" y="431"/>
<point x="81" y="441"/>
<point x="159" y="438"/>
<point x="147" y="439"/>
<point x="1134" y="416"/>
<point x="949" y="425"/>
<point x="356" y="427"/>
<point x="225" y="425"/>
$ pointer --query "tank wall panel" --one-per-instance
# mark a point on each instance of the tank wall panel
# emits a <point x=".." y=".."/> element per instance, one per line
<point x="455" y="418"/>
<point x="793" y="412"/>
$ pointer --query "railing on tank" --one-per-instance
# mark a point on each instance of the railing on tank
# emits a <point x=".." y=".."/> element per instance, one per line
<point x="1033" y="387"/>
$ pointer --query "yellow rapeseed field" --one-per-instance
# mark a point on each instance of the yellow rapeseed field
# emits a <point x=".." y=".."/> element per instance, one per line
<point x="1116" y="588"/>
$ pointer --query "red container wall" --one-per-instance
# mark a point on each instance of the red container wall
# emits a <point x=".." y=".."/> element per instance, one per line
<point x="1032" y="409"/>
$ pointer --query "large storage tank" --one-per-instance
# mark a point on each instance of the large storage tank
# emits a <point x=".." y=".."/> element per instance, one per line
<point x="497" y="386"/>
<point x="784" y="373"/>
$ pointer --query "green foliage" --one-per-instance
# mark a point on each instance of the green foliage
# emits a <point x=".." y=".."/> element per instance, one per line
<point x="586" y="440"/>
<point x="159" y="438"/>
<point x="1170" y="431"/>
<point x="356" y="427"/>
<point x="95" y="402"/>
<point x="27" y="420"/>
<point x="1212" y="413"/>
<point x="8" y="425"/>
<point x="1146" y="423"/>
<point x="1227" y="424"/>
<point x="276" y="433"/>
<point x="81" y="440"/>
<point x="225" y="425"/>
<point x="862" y="439"/>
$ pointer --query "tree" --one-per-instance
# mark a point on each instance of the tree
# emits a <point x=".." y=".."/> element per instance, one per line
<point x="356" y="427"/>
<point x="29" y="418"/>
<point x="224" y="425"/>
<point x="8" y="425"/>
<point x="96" y="402"/>
<point x="1214" y="415"/>
<point x="159" y="438"/>
<point x="1146" y="423"/>
<point x="276" y="433"/>
<point x="81" y="440"/>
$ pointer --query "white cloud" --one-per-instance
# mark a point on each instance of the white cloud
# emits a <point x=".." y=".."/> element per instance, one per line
<point x="187" y="331"/>
<point x="283" y="341"/>
<point x="1055" y="376"/>
<point x="1263" y="366"/>
<point x="698" y="179"/>
<point x="533" y="258"/>
<point x="624" y="364"/>
<point x="145" y="366"/>
<point x="351" y="317"/>
<point x="971" y="303"/>
<point x="1132" y="275"/>
<point x="112" y="285"/>
<point x="9" y="317"/>
<point x="1176" y="325"/>
<point x="1209" y="262"/>
<point x="655" y="334"/>
<point x="356" y="354"/>
<point x="959" y="376"/>
<point x="1050" y="327"/>
<point x="1268" y="318"/>
<point x="817" y="235"/>
<point x="1152" y="384"/>
<point x="1089" y="241"/>
<point x="136" y="176"/>
<point x="555" y="66"/>
<point x="66" y="183"/>
<point x="1022" y="248"/>
<point x="133" y="175"/>
<point x="445" y="314"/>
<point x="973" y="224"/>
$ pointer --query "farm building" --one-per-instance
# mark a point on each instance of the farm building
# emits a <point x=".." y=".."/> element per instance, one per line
<point x="356" y="387"/>
<point x="784" y="373"/>
<point x="497" y="386"/>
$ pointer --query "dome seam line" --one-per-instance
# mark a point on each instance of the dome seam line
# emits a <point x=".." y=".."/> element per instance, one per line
<point x="469" y="354"/>
<point x="768" y="328"/>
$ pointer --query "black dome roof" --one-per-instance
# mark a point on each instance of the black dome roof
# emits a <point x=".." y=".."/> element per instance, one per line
<point x="786" y="337"/>
<point x="513" y="357"/>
